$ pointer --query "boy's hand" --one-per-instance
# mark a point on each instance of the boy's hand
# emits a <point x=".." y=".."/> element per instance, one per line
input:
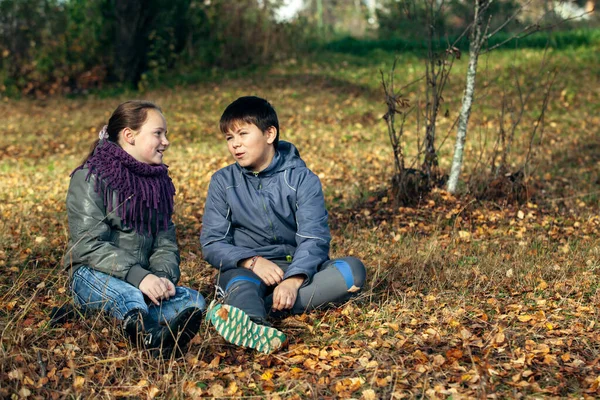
<point x="284" y="295"/>
<point x="268" y="271"/>
<point x="157" y="288"/>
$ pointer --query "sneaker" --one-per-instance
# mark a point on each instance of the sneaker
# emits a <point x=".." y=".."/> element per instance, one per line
<point x="236" y="327"/>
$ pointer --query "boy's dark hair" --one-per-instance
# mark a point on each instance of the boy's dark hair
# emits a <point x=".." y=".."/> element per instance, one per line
<point x="251" y="110"/>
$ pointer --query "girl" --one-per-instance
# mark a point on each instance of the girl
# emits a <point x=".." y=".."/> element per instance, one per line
<point x="123" y="256"/>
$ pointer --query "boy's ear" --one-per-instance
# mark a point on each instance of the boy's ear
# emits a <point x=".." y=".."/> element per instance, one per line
<point x="271" y="133"/>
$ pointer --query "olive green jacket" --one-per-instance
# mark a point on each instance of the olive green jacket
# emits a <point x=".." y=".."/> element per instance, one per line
<point x="99" y="240"/>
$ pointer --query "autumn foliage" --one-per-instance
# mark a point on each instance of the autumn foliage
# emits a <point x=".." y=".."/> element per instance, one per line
<point x="466" y="298"/>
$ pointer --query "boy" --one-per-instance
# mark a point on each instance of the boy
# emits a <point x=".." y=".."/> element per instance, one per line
<point x="265" y="228"/>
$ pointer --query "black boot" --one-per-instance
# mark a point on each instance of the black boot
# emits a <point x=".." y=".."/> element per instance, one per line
<point x="60" y="315"/>
<point x="185" y="326"/>
<point x="144" y="332"/>
<point x="160" y="340"/>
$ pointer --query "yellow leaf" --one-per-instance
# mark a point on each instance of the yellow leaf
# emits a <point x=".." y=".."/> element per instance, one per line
<point x="520" y="214"/>
<point x="524" y="318"/>
<point x="393" y="325"/>
<point x="15" y="374"/>
<point x="369" y="394"/>
<point x="438" y="360"/>
<point x="78" y="382"/>
<point x="309" y="364"/>
<point x="217" y="390"/>
<point x="542" y="285"/>
<point x="232" y="389"/>
<point x="215" y="362"/>
<point x="454" y="323"/>
<point x="24" y="392"/>
<point x="465" y="334"/>
<point x="267" y="376"/>
<point x="296" y="359"/>
<point x="499" y="338"/>
<point x="153" y="391"/>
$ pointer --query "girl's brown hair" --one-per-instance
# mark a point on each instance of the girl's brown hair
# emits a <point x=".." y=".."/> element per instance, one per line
<point x="131" y="114"/>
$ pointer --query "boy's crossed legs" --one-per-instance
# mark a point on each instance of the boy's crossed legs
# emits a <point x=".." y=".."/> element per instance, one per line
<point x="335" y="282"/>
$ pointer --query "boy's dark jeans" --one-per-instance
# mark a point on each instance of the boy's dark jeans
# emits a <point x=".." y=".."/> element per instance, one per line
<point x="335" y="282"/>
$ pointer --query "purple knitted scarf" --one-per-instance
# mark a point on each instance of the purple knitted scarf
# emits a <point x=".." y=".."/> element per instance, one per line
<point x="143" y="190"/>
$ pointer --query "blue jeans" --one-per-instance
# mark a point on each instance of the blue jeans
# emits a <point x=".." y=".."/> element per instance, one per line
<point x="99" y="291"/>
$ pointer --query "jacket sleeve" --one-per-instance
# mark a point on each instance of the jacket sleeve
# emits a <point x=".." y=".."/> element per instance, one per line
<point x="312" y="231"/>
<point x="164" y="259"/>
<point x="216" y="237"/>
<point x="91" y="233"/>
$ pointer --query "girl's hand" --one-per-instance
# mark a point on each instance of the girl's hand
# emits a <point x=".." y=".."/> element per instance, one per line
<point x="171" y="288"/>
<point x="268" y="271"/>
<point x="156" y="288"/>
<point x="285" y="294"/>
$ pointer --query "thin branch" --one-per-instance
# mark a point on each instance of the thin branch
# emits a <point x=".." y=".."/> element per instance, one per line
<point x="540" y="120"/>
<point x="533" y="28"/>
<point x="509" y="19"/>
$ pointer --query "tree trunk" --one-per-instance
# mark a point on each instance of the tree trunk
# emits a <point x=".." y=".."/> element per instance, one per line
<point x="320" y="16"/>
<point x="133" y="19"/>
<point x="476" y="42"/>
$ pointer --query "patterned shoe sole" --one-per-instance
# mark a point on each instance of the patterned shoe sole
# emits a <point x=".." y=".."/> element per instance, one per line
<point x="237" y="328"/>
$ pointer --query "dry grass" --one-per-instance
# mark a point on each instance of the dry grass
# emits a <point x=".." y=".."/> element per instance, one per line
<point x="464" y="299"/>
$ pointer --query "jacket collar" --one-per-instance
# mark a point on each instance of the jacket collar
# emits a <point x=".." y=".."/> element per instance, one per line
<point x="286" y="156"/>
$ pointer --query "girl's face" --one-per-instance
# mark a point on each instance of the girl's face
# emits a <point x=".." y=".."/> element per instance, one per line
<point x="151" y="141"/>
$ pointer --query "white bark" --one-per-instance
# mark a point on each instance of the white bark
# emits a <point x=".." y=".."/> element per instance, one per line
<point x="467" y="100"/>
<point x="463" y="120"/>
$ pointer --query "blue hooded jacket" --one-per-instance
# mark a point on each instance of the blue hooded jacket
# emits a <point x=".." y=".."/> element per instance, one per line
<point x="278" y="213"/>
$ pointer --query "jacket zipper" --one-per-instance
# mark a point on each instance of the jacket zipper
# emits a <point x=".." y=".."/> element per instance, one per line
<point x="265" y="205"/>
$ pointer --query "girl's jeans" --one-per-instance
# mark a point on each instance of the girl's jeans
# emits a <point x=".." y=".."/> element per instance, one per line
<point x="99" y="291"/>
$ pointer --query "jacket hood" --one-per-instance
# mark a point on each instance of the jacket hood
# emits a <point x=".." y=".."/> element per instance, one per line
<point x="286" y="156"/>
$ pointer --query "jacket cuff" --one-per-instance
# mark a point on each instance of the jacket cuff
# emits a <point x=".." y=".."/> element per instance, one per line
<point x="307" y="279"/>
<point x="298" y="272"/>
<point x="136" y="274"/>
<point x="233" y="263"/>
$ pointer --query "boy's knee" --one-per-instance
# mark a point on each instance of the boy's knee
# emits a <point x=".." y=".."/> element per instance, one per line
<point x="242" y="282"/>
<point x="353" y="271"/>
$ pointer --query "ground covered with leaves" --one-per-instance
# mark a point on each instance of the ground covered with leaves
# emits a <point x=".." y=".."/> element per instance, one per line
<point x="465" y="297"/>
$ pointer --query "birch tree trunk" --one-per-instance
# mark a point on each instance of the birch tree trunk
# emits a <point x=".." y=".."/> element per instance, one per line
<point x="476" y="41"/>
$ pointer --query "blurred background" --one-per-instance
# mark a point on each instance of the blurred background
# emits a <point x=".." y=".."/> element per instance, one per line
<point x="72" y="46"/>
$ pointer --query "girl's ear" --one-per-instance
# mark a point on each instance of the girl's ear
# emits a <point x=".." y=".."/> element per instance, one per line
<point x="271" y="133"/>
<point x="128" y="136"/>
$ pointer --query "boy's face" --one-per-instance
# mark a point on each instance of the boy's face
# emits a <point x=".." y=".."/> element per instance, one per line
<point x="250" y="147"/>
